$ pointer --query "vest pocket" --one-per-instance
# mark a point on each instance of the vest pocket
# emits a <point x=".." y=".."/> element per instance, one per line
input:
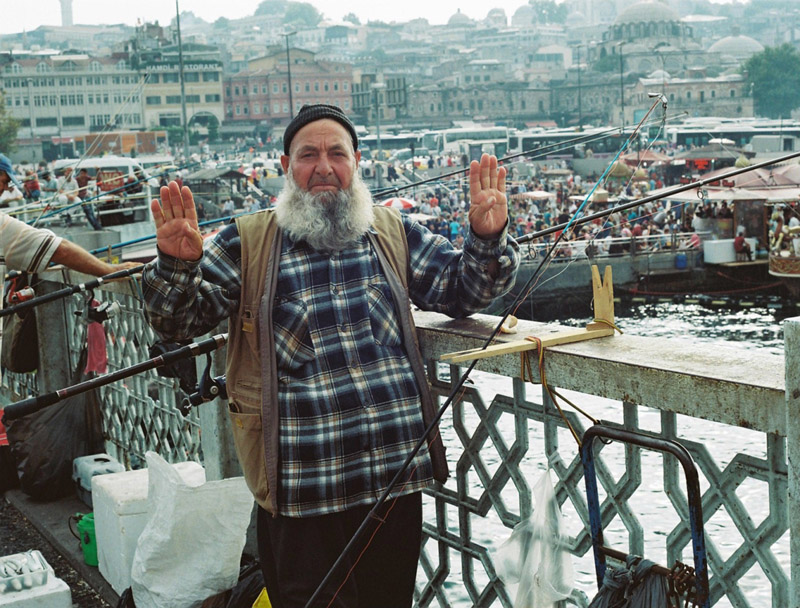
<point x="293" y="345"/>
<point x="249" y="442"/>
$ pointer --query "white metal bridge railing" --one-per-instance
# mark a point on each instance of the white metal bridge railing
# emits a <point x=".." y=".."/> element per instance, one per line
<point x="735" y="411"/>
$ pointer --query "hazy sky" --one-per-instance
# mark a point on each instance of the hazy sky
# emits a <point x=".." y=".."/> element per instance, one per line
<point x="48" y="12"/>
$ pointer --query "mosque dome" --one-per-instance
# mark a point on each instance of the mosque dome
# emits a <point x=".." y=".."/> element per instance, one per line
<point x="459" y="19"/>
<point x="648" y="12"/>
<point x="659" y="75"/>
<point x="737" y="46"/>
<point x="524" y="15"/>
<point x="576" y="19"/>
<point x="497" y="16"/>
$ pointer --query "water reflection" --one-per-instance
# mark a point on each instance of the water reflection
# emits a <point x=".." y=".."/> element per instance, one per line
<point x="761" y="326"/>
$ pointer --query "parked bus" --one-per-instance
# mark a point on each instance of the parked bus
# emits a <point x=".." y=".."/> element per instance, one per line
<point x="700" y="131"/>
<point x="568" y="142"/>
<point x="467" y="140"/>
<point x="390" y="142"/>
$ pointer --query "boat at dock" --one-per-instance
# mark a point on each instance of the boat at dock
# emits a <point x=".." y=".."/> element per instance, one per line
<point x="641" y="267"/>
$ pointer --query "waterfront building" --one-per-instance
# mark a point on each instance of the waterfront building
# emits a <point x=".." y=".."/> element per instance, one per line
<point x="57" y="96"/>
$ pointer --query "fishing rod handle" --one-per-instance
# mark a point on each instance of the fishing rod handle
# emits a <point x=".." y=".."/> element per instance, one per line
<point x="34" y="404"/>
<point x="29" y="406"/>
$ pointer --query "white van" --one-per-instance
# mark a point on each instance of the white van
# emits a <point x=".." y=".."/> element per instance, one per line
<point x="109" y="175"/>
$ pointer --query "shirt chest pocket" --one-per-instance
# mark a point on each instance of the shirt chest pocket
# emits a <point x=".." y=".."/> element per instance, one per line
<point x="382" y="317"/>
<point x="293" y="345"/>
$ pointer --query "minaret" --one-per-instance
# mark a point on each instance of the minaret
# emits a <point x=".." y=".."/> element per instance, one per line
<point x="66" y="13"/>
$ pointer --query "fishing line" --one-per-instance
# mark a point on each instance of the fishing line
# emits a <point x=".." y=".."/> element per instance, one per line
<point x="119" y="190"/>
<point x="527" y="289"/>
<point x="665" y="194"/>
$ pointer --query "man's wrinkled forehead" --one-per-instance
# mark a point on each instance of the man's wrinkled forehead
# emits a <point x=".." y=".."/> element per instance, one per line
<point x="314" y="134"/>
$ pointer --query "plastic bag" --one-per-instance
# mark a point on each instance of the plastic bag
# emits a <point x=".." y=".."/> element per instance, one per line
<point x="192" y="543"/>
<point x="534" y="559"/>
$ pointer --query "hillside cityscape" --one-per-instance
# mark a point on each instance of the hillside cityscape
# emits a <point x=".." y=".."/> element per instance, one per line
<point x="570" y="64"/>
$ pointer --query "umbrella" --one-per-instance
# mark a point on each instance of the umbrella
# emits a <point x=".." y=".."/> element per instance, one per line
<point x="399" y="203"/>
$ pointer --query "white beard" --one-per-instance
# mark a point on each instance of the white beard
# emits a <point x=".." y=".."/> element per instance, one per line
<point x="327" y="221"/>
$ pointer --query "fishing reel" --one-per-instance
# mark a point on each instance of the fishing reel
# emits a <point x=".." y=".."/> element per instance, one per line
<point x="98" y="312"/>
<point x="208" y="389"/>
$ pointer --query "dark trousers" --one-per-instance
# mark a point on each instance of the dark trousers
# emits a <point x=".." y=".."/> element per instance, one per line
<point x="296" y="554"/>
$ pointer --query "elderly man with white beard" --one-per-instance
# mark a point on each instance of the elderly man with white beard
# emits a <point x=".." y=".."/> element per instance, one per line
<point x="326" y="385"/>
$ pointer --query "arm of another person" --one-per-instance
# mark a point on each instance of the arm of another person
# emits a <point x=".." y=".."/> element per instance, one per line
<point x="75" y="257"/>
<point x="32" y="249"/>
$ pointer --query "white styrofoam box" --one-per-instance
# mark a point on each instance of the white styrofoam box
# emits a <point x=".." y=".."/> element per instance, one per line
<point x="721" y="251"/>
<point x="86" y="467"/>
<point x="37" y="589"/>
<point x="120" y="514"/>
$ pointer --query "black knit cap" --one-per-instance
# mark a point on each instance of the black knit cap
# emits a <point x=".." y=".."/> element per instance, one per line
<point x="318" y="111"/>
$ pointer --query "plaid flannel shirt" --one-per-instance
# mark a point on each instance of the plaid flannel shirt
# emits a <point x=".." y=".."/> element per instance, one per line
<point x="349" y="404"/>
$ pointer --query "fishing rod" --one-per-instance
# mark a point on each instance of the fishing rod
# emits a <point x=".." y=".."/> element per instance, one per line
<point x="559" y="146"/>
<point x="34" y="404"/>
<point x="654" y="197"/>
<point x="374" y="511"/>
<point x="68" y="291"/>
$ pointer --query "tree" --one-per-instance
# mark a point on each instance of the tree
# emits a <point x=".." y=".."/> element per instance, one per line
<point x="774" y="77"/>
<point x="301" y="13"/>
<point x="271" y="7"/>
<point x="8" y="128"/>
<point x="547" y="11"/>
<point x="223" y="23"/>
<point x="352" y="18"/>
<point x="213" y="129"/>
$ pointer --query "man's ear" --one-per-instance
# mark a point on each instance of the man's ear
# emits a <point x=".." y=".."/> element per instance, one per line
<point x="358" y="156"/>
<point x="285" y="163"/>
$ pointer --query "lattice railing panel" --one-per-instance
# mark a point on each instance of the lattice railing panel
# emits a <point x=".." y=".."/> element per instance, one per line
<point x="497" y="450"/>
<point x="140" y="412"/>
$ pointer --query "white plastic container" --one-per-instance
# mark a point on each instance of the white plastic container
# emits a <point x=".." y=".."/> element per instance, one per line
<point x="85" y="468"/>
<point x="35" y="587"/>
<point x="120" y="514"/>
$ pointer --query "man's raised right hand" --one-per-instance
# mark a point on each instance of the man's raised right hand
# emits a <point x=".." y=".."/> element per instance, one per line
<point x="175" y="217"/>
